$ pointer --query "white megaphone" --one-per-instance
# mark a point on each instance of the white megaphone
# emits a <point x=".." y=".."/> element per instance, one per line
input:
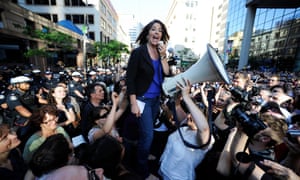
<point x="207" y="68"/>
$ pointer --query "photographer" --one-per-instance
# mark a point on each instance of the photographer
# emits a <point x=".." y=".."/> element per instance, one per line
<point x="253" y="141"/>
<point x="292" y="141"/>
<point x="188" y="145"/>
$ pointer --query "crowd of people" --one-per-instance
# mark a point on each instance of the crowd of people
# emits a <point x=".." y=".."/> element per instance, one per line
<point x="87" y="127"/>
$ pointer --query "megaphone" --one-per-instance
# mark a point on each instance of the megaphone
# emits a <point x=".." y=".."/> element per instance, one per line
<point x="207" y="68"/>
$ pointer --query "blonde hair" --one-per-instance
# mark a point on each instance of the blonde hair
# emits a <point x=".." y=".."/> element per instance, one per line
<point x="278" y="126"/>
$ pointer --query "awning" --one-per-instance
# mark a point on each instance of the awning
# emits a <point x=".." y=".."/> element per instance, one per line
<point x="69" y="25"/>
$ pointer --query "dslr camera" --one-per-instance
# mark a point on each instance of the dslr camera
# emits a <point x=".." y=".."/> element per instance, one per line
<point x="251" y="123"/>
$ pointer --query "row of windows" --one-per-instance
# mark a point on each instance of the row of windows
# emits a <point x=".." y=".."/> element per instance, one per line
<point x="51" y="17"/>
<point x="53" y="2"/>
<point x="41" y="2"/>
<point x="79" y="18"/>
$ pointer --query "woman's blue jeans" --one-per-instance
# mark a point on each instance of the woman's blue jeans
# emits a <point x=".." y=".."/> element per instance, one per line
<point x="145" y="123"/>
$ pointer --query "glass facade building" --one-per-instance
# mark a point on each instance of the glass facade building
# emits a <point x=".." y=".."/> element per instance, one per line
<point x="275" y="37"/>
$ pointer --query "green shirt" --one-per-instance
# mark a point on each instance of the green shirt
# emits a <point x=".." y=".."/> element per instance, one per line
<point x="35" y="141"/>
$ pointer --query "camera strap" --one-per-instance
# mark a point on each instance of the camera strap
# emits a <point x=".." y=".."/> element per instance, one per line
<point x="187" y="144"/>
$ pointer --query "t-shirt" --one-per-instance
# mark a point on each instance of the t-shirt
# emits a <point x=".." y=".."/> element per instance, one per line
<point x="35" y="141"/>
<point x="179" y="161"/>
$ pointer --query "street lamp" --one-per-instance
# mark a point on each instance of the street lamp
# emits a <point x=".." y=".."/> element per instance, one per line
<point x="85" y="31"/>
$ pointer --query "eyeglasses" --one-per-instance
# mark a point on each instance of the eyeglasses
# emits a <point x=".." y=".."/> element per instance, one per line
<point x="47" y="122"/>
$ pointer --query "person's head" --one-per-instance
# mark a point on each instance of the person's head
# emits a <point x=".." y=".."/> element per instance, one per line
<point x="241" y="80"/>
<point x="293" y="132"/>
<point x="93" y="75"/>
<point x="107" y="153"/>
<point x="52" y="154"/>
<point x="265" y="94"/>
<point x="223" y="99"/>
<point x="277" y="89"/>
<point x="274" y="133"/>
<point x="45" y="117"/>
<point x="189" y="118"/>
<point x="153" y="31"/>
<point x="8" y="139"/>
<point x="274" y="80"/>
<point x="76" y="76"/>
<point x="58" y="92"/>
<point x="48" y="74"/>
<point x="99" y="115"/>
<point x="21" y="82"/>
<point x="97" y="91"/>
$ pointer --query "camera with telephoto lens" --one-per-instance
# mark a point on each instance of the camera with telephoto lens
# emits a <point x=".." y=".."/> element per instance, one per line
<point x="250" y="122"/>
<point x="242" y="96"/>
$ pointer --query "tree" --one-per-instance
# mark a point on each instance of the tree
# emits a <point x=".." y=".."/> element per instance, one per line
<point x="110" y="52"/>
<point x="54" y="39"/>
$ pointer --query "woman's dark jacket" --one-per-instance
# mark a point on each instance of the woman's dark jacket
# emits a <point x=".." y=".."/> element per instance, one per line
<point x="140" y="71"/>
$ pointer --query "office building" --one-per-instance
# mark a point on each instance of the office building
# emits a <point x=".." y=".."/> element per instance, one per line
<point x="263" y="34"/>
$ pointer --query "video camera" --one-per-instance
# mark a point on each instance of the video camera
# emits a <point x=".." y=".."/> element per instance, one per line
<point x="250" y="122"/>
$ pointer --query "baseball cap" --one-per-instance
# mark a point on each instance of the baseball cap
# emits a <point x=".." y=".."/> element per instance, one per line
<point x="76" y="74"/>
<point x="92" y="73"/>
<point x="20" y="79"/>
<point x="48" y="72"/>
<point x="36" y="71"/>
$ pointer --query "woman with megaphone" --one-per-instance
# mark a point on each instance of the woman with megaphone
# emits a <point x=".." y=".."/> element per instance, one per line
<point x="147" y="67"/>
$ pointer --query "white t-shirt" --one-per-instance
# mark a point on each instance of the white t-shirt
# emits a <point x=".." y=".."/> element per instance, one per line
<point x="178" y="162"/>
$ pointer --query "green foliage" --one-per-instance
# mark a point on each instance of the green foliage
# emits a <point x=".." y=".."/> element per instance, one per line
<point x="36" y="52"/>
<point x="112" y="50"/>
<point x="54" y="39"/>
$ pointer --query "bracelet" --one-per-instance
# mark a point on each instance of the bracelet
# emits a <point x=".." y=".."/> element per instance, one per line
<point x="163" y="57"/>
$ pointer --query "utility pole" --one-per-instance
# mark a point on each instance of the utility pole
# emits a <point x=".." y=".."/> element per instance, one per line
<point x="85" y="31"/>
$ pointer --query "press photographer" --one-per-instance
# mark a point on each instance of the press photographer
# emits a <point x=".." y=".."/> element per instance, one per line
<point x="253" y="140"/>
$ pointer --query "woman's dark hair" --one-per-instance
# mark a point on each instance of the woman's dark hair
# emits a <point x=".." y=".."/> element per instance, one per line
<point x="142" y="38"/>
<point x="95" y="115"/>
<point x="51" y="98"/>
<point x="38" y="116"/>
<point x="106" y="152"/>
<point x="52" y="154"/>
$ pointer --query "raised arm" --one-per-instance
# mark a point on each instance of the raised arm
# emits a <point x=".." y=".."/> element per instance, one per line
<point x="198" y="116"/>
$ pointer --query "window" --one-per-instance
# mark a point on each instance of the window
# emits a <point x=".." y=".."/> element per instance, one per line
<point x="47" y="16"/>
<point x="90" y="19"/>
<point x="55" y="18"/>
<point x="41" y="2"/>
<point x="74" y="3"/>
<point x="75" y="18"/>
<point x="29" y="2"/>
<point x="91" y="35"/>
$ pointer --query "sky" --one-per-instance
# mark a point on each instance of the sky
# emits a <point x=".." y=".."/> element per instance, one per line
<point x="144" y="10"/>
